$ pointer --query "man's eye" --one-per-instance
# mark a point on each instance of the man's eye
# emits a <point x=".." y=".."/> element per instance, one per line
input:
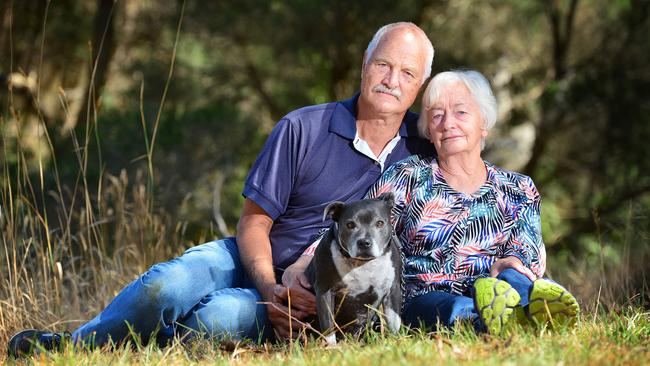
<point x="379" y="224"/>
<point x="351" y="225"/>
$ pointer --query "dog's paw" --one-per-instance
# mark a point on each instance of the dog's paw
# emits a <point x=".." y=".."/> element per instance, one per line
<point x="330" y="339"/>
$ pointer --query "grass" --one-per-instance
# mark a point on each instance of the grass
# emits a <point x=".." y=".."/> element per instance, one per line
<point x="606" y="339"/>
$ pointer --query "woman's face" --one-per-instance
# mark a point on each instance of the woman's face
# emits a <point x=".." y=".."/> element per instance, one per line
<point x="455" y="122"/>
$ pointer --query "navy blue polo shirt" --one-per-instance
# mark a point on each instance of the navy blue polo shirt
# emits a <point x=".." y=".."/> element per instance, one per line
<point x="309" y="161"/>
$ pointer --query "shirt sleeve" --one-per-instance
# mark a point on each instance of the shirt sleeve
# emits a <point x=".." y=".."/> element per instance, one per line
<point x="272" y="176"/>
<point x="525" y="241"/>
<point x="395" y="179"/>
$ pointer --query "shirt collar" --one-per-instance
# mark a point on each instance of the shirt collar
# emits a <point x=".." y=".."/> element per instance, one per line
<point x="344" y="119"/>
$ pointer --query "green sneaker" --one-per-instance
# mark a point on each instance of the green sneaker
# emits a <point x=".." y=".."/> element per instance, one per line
<point x="552" y="304"/>
<point x="495" y="302"/>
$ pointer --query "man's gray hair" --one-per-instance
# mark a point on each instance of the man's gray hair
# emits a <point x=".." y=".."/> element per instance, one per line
<point x="479" y="88"/>
<point x="383" y="30"/>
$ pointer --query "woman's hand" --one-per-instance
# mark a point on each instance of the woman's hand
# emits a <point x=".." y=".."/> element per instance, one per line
<point x="511" y="262"/>
<point x="298" y="286"/>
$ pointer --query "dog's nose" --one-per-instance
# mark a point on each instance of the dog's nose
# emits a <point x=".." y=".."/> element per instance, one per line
<point x="363" y="243"/>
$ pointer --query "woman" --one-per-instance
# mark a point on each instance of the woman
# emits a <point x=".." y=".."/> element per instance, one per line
<point x="470" y="231"/>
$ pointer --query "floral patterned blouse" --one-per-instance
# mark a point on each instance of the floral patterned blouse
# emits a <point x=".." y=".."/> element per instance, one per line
<point x="449" y="239"/>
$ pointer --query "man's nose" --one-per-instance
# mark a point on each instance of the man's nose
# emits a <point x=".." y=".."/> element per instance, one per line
<point x="391" y="79"/>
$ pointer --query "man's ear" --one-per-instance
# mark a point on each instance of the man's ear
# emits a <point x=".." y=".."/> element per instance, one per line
<point x="388" y="198"/>
<point x="333" y="210"/>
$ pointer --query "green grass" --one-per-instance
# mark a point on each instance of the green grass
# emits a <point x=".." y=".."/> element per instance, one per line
<point x="606" y="339"/>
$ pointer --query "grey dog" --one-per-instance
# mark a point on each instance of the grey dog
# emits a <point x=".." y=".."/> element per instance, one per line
<point x="357" y="267"/>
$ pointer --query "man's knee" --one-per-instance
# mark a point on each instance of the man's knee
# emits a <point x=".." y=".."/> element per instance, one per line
<point x="216" y="260"/>
<point x="163" y="283"/>
<point x="233" y="313"/>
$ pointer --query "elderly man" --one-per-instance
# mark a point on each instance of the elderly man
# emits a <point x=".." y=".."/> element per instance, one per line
<point x="314" y="155"/>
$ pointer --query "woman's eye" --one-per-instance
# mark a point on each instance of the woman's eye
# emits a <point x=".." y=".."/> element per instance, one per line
<point x="380" y="224"/>
<point x="351" y="225"/>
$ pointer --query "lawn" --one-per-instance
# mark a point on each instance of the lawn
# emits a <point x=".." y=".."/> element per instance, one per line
<point x="618" y="337"/>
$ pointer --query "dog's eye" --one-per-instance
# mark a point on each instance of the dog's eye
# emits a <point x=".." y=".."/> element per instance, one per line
<point x="379" y="223"/>
<point x="351" y="225"/>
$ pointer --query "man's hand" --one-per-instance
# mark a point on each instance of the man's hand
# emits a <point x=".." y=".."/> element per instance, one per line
<point x="279" y="314"/>
<point x="511" y="262"/>
<point x="299" y="288"/>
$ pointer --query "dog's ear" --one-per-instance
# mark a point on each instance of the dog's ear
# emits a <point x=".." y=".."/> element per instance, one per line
<point x="333" y="210"/>
<point x="388" y="198"/>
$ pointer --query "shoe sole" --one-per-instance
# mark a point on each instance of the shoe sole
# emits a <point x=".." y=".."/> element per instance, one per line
<point x="13" y="348"/>
<point x="552" y="304"/>
<point x="495" y="301"/>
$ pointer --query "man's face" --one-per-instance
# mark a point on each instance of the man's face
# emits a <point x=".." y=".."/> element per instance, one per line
<point x="392" y="75"/>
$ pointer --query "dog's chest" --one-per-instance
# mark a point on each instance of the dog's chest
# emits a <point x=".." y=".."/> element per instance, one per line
<point x="378" y="273"/>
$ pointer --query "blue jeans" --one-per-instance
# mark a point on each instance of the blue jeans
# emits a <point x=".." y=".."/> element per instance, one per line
<point x="447" y="309"/>
<point x="205" y="289"/>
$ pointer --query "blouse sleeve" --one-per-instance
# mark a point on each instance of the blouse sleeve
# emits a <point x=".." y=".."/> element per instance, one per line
<point x="396" y="179"/>
<point x="525" y="241"/>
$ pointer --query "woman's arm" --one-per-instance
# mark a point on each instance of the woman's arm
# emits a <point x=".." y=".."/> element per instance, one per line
<point x="524" y="250"/>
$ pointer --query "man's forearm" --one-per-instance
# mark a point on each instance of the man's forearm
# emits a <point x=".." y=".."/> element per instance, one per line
<point x="255" y="254"/>
<point x="255" y="247"/>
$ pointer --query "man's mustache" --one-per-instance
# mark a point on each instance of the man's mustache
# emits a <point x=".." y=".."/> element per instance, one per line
<point x="383" y="89"/>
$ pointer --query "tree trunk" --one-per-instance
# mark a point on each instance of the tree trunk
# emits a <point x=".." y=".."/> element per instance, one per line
<point x="103" y="48"/>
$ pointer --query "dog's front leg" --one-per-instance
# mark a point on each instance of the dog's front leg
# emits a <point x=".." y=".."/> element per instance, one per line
<point x="392" y="303"/>
<point x="325" y="308"/>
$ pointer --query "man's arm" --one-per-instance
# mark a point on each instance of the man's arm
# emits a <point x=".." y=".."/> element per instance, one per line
<point x="255" y="254"/>
<point x="255" y="246"/>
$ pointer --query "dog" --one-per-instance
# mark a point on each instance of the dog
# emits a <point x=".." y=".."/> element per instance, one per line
<point x="356" y="267"/>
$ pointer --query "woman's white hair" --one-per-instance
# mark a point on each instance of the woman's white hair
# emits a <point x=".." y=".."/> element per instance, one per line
<point x="374" y="42"/>
<point x="479" y="88"/>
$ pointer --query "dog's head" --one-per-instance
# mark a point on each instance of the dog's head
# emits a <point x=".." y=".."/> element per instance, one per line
<point x="364" y="227"/>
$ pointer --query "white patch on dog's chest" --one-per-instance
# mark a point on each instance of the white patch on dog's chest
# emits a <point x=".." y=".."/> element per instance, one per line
<point x="378" y="273"/>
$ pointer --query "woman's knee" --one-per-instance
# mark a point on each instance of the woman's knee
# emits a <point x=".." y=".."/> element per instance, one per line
<point x="511" y="275"/>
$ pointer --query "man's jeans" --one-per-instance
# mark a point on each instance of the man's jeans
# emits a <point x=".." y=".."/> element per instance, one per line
<point x="206" y="290"/>
<point x="447" y="309"/>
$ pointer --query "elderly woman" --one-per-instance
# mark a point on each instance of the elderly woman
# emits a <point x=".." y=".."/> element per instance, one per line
<point x="470" y="231"/>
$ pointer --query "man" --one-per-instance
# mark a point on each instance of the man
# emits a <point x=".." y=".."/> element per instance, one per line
<point x="314" y="155"/>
